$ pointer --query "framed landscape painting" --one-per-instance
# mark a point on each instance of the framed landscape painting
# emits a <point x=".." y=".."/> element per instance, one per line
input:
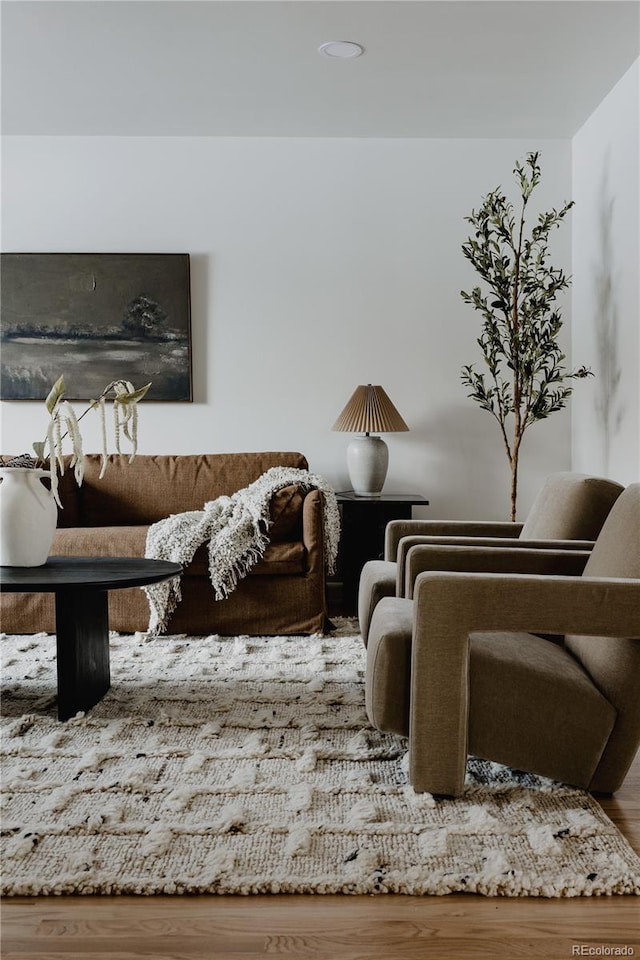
<point x="94" y="318"/>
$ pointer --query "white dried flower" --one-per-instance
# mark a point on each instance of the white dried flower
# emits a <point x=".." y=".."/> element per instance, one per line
<point x="62" y="415"/>
<point x="103" y="429"/>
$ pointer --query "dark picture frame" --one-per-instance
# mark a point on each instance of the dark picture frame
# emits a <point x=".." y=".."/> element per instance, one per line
<point x="94" y="318"/>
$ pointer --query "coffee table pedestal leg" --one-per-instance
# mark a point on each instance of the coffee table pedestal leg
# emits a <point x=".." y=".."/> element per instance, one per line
<point x="82" y="631"/>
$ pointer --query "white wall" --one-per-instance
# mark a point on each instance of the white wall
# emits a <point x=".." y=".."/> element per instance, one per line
<point x="606" y="288"/>
<point x="316" y="265"/>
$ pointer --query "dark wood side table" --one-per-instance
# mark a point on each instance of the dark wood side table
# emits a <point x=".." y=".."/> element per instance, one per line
<point x="364" y="520"/>
<point x="82" y="618"/>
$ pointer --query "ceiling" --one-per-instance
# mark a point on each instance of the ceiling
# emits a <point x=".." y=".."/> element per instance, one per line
<point x="431" y="68"/>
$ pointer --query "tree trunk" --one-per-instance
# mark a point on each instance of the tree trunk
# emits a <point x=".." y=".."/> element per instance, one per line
<point x="514" y="485"/>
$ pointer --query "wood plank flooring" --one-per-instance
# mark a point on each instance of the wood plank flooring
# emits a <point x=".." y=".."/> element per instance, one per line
<point x="325" y="928"/>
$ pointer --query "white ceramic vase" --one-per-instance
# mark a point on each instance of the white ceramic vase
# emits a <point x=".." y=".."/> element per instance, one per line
<point x="28" y="517"/>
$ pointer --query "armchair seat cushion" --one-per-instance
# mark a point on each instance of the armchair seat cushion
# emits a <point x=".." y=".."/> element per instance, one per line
<point x="377" y="580"/>
<point x="527" y="697"/>
<point x="388" y="673"/>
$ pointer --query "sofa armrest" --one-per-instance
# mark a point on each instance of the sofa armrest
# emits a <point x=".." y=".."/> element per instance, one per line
<point x="492" y="555"/>
<point x="397" y="529"/>
<point x="312" y="529"/>
<point x="449" y="607"/>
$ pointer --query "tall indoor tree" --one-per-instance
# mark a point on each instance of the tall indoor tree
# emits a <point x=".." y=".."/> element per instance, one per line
<point x="526" y="379"/>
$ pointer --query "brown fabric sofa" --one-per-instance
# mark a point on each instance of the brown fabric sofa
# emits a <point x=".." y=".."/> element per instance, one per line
<point x="283" y="594"/>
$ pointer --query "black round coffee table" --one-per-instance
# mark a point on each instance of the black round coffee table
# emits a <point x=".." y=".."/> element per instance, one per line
<point x="81" y="586"/>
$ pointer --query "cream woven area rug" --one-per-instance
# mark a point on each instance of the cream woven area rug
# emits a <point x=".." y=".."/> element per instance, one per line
<point x="247" y="765"/>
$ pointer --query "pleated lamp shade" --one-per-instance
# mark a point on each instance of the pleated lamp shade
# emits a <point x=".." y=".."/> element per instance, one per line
<point x="368" y="411"/>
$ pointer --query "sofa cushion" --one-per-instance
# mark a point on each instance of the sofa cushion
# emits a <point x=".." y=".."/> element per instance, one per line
<point x="153" y="487"/>
<point x="69" y="494"/>
<point x="278" y="559"/>
<point x="100" y="542"/>
<point x="119" y="541"/>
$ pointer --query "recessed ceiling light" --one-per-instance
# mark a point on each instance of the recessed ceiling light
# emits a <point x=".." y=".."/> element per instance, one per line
<point x="340" y="49"/>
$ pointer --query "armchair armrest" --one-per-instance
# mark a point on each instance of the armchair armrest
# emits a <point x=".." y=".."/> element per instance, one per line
<point x="408" y="543"/>
<point x="396" y="529"/>
<point x="420" y="558"/>
<point x="449" y="607"/>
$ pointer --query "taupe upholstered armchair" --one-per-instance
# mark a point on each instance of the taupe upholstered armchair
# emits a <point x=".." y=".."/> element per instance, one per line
<point x="569" y="510"/>
<point x="465" y="668"/>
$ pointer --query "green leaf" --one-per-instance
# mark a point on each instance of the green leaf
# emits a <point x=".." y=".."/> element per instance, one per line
<point x="55" y="395"/>
<point x="38" y="449"/>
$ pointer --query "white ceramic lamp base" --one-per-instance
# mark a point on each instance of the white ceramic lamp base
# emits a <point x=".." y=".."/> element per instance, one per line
<point x="367" y="461"/>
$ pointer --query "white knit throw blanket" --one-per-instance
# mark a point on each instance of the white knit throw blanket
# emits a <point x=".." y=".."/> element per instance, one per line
<point x="237" y="530"/>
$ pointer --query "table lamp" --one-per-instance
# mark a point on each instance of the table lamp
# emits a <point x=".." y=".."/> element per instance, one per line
<point x="369" y="410"/>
